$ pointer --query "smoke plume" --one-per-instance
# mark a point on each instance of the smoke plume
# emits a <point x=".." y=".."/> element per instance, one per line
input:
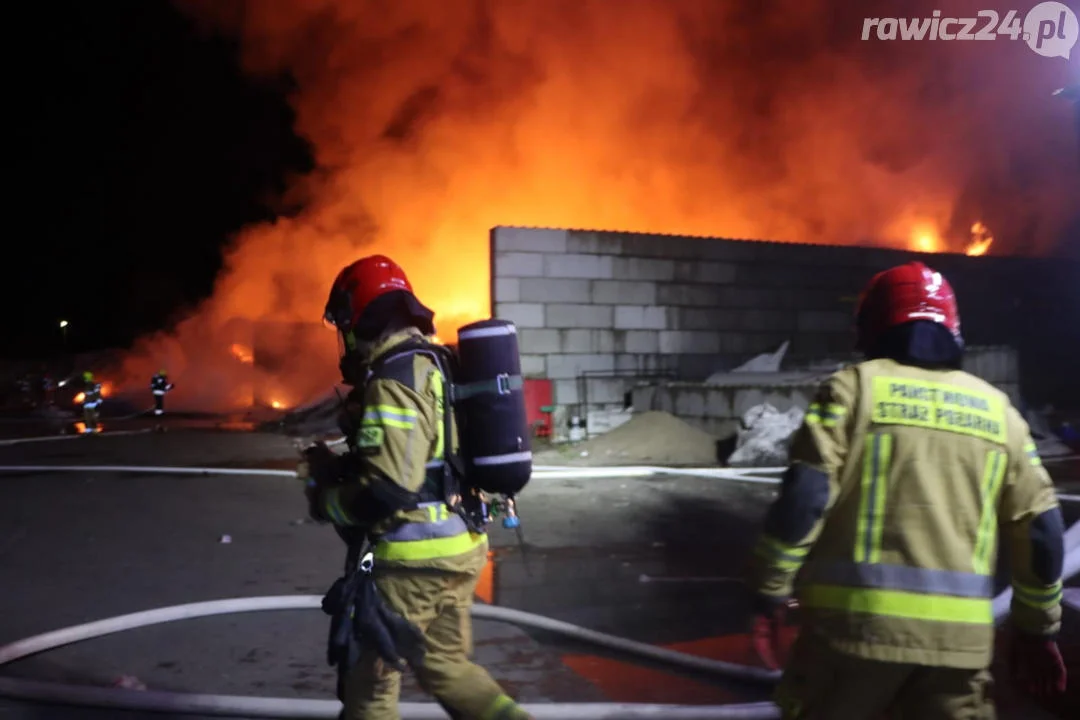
<point x="434" y="120"/>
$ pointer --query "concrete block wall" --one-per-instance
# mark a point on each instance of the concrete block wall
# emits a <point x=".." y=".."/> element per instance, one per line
<point x="718" y="410"/>
<point x="597" y="310"/>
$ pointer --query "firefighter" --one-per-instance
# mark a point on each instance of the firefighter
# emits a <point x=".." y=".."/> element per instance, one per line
<point x="900" y="475"/>
<point x="159" y="386"/>
<point x="427" y="560"/>
<point x="91" y="402"/>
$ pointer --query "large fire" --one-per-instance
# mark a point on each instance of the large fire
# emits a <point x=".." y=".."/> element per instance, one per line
<point x="432" y="122"/>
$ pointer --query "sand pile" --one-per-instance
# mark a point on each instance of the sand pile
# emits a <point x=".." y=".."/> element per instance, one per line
<point x="649" y="438"/>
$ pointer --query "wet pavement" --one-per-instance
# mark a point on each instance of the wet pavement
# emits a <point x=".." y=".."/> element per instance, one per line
<point x="655" y="560"/>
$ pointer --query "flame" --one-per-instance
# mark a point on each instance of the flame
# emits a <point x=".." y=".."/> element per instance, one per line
<point x="925" y="239"/>
<point x="243" y="354"/>
<point x="430" y="123"/>
<point x="106" y="389"/>
<point x="79" y="398"/>
<point x="277" y="404"/>
<point x="981" y="240"/>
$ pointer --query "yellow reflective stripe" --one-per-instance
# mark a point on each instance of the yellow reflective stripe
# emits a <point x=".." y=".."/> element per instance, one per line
<point x="827" y="415"/>
<point x="993" y="474"/>
<point x="389" y="416"/>
<point x="429" y="549"/>
<point x="499" y="706"/>
<point x="870" y="523"/>
<point x="780" y="555"/>
<point x="1041" y="598"/>
<point x="438" y="389"/>
<point x="899" y="604"/>
<point x="438" y="512"/>
<point x="334" y="509"/>
<point x="1032" y="453"/>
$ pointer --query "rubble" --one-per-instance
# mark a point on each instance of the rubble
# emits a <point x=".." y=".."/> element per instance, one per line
<point x="765" y="437"/>
<point x="649" y="438"/>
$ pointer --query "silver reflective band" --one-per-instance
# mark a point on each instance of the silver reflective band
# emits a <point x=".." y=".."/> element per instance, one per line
<point x="910" y="579"/>
<point x="503" y="459"/>
<point x="487" y="332"/>
<point x="452" y="526"/>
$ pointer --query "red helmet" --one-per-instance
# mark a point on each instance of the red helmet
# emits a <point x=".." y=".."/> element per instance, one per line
<point x="360" y="283"/>
<point x="904" y="294"/>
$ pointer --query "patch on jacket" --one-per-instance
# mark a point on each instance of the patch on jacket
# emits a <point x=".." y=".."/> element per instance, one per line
<point x="369" y="440"/>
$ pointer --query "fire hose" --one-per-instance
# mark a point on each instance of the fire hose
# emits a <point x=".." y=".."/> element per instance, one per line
<point x="252" y="707"/>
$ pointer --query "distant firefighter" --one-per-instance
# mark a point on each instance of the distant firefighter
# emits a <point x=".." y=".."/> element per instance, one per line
<point x="91" y="402"/>
<point x="159" y="385"/>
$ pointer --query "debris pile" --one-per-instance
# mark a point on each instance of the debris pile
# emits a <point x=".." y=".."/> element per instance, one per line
<point x="765" y="437"/>
<point x="648" y="438"/>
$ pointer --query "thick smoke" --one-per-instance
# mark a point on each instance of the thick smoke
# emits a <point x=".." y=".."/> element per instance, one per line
<point x="434" y="120"/>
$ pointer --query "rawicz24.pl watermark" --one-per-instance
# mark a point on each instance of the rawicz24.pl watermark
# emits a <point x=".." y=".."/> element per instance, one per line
<point x="1050" y="28"/>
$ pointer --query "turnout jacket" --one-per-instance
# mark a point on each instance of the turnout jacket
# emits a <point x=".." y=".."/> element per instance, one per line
<point x="890" y="511"/>
<point x="399" y="437"/>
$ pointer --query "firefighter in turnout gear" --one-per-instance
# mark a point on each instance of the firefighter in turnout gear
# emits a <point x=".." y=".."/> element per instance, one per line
<point x="426" y="559"/>
<point x="91" y="403"/>
<point x="900" y="476"/>
<point x="159" y="386"/>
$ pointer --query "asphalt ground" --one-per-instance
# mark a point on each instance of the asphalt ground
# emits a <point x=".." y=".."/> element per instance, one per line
<point x="655" y="560"/>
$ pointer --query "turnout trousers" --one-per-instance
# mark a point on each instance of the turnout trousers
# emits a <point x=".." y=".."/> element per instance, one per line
<point x="821" y="683"/>
<point x="438" y="603"/>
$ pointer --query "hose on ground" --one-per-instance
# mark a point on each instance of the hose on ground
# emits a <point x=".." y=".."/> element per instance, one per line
<point x="281" y="707"/>
<point x="291" y="708"/>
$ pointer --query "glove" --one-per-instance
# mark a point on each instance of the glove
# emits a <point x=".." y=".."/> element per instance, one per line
<point x="769" y="616"/>
<point x="1036" y="666"/>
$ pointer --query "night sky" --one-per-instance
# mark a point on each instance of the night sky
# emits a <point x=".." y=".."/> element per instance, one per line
<point x="149" y="149"/>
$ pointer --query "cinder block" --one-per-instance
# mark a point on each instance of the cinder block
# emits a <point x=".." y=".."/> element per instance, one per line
<point x="644" y="364"/>
<point x="595" y="243"/>
<point x="737" y="343"/>
<point x="718" y="403"/>
<point x="637" y="341"/>
<point x="593" y="267"/>
<point x="707" y="273"/>
<point x="690" y="402"/>
<point x="706" y="319"/>
<point x="605" y="391"/>
<point x="697" y="367"/>
<point x="623" y="292"/>
<point x="689" y="295"/>
<point x="533" y="366"/>
<point x="568" y="367"/>
<point x="524" y="315"/>
<point x="533" y="240"/>
<point x="586" y="341"/>
<point x="516" y="264"/>
<point x="643" y="269"/>
<point x="555" y="290"/>
<point x="686" y="341"/>
<point x="580" y="316"/>
<point x="741" y="296"/>
<point x="539" y="342"/>
<point x="640" y="317"/>
<point x="767" y="320"/>
<point x="507" y="290"/>
<point x="565" y="392"/>
<point x="818" y="321"/>
<point x="642" y="398"/>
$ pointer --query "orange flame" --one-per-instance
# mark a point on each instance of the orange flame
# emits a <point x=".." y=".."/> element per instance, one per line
<point x="430" y="123"/>
<point x="243" y="354"/>
<point x="981" y="240"/>
<point x="79" y="398"/>
<point x="277" y="404"/>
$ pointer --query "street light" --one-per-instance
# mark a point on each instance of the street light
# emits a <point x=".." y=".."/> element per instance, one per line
<point x="63" y="332"/>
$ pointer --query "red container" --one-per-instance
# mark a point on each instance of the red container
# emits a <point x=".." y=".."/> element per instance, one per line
<point x="537" y="396"/>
